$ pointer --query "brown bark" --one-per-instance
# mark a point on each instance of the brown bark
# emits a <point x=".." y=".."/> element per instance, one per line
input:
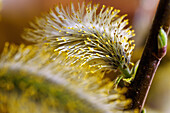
<point x="151" y="58"/>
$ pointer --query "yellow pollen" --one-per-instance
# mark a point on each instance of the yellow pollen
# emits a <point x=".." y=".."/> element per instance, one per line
<point x="53" y="26"/>
<point x="97" y="54"/>
<point x="93" y="35"/>
<point x="125" y="14"/>
<point x="85" y="42"/>
<point x="78" y="52"/>
<point x="132" y="47"/>
<point x="107" y="56"/>
<point x="92" y="71"/>
<point x="129" y="33"/>
<point x="97" y="40"/>
<point x="88" y="39"/>
<point x="81" y="49"/>
<point x="125" y="38"/>
<point x="118" y="10"/>
<point x="46" y="44"/>
<point x="132" y="64"/>
<point x="130" y="27"/>
<point x="107" y="11"/>
<point x="126" y="20"/>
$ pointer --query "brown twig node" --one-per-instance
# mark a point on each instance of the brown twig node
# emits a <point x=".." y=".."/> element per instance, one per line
<point x="151" y="58"/>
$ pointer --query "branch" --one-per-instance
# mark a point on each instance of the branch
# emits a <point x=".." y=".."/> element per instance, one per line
<point x="151" y="58"/>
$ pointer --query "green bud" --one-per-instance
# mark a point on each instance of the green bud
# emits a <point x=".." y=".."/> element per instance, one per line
<point x="162" y="39"/>
<point x="143" y="111"/>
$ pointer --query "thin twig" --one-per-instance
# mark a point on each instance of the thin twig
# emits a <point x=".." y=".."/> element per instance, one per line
<point x="151" y="58"/>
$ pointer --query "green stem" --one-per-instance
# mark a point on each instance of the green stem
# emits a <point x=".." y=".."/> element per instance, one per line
<point x="126" y="72"/>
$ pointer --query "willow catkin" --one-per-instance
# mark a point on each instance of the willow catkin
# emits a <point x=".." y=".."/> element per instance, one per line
<point x="102" y="41"/>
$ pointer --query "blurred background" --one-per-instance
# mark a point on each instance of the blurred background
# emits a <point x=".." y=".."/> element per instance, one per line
<point x="16" y="14"/>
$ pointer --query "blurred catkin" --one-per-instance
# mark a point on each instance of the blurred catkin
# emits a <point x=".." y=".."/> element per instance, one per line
<point x="31" y="81"/>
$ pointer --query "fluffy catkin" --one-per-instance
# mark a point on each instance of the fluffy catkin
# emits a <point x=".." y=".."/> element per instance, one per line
<point x="31" y="81"/>
<point x="102" y="41"/>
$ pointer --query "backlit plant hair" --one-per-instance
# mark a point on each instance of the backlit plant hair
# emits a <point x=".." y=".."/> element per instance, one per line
<point x="46" y="81"/>
<point x="99" y="40"/>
